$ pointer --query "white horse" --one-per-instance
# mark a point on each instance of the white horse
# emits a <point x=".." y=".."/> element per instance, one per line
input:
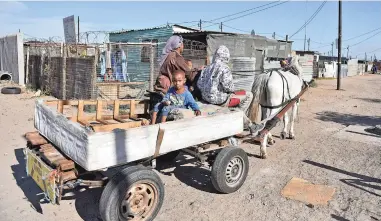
<point x="272" y="89"/>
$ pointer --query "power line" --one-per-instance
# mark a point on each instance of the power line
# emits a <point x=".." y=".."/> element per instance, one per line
<point x="244" y="11"/>
<point x="366" y="39"/>
<point x="237" y="29"/>
<point x="255" y="11"/>
<point x="310" y="19"/>
<point x="250" y="13"/>
<point x="323" y="46"/>
<point x="369" y="51"/>
<point x="319" y="42"/>
<point x="362" y="34"/>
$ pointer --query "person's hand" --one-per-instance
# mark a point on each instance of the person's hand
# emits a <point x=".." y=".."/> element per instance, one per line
<point x="166" y="103"/>
<point x="191" y="88"/>
<point x="201" y="68"/>
<point x="198" y="113"/>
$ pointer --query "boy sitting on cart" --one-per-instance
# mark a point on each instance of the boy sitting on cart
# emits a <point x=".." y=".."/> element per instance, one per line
<point x="177" y="97"/>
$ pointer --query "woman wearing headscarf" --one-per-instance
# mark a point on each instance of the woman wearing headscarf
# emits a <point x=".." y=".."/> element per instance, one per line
<point x="217" y="87"/>
<point x="170" y="61"/>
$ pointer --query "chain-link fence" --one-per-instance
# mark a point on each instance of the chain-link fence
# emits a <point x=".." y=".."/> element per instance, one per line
<point x="126" y="70"/>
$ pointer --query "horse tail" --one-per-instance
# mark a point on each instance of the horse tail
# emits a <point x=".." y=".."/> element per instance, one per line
<point x="259" y="85"/>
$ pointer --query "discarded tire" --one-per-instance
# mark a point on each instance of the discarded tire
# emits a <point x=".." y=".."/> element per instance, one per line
<point x="11" y="90"/>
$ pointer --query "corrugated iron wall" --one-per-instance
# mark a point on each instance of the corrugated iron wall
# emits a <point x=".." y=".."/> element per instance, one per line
<point x="307" y="63"/>
<point x="353" y="67"/>
<point x="248" y="46"/>
<point x="10" y="57"/>
<point x="243" y="71"/>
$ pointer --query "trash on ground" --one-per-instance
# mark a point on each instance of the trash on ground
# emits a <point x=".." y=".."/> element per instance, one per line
<point x="304" y="191"/>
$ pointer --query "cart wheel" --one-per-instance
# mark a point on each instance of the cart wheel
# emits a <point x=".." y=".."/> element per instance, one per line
<point x="134" y="193"/>
<point x="169" y="156"/>
<point x="229" y="170"/>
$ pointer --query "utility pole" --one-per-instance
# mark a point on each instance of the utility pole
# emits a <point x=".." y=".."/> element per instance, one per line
<point x="200" y="24"/>
<point x="221" y="26"/>
<point x="287" y="45"/>
<point x="305" y="34"/>
<point x="274" y="35"/>
<point x="309" y="39"/>
<point x="365" y="57"/>
<point x="78" y="29"/>
<point x="332" y="47"/>
<point x="347" y="51"/>
<point x="339" y="51"/>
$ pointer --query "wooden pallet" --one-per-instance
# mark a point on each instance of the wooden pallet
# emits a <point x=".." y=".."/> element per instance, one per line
<point x="101" y="122"/>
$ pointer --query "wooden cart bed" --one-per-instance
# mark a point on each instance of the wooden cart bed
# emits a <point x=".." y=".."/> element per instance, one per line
<point x="109" y="138"/>
<point x="102" y="121"/>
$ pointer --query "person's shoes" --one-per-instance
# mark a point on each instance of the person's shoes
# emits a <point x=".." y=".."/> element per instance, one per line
<point x="256" y="128"/>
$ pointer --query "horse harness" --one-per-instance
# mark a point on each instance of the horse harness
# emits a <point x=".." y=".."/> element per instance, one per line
<point x="284" y="81"/>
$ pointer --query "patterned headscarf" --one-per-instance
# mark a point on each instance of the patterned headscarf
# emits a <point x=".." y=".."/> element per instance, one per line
<point x="222" y="54"/>
<point x="215" y="80"/>
<point x="173" y="42"/>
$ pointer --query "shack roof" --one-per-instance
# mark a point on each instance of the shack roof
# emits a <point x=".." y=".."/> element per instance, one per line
<point x="178" y="28"/>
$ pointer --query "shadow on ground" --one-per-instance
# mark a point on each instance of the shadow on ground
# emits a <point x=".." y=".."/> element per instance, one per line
<point x="338" y="218"/>
<point x="86" y="202"/>
<point x="31" y="191"/>
<point x="362" y="182"/>
<point x="188" y="171"/>
<point x="370" y="100"/>
<point x="348" y="119"/>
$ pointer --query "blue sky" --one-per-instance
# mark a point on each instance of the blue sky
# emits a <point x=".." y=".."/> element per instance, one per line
<point x="44" y="19"/>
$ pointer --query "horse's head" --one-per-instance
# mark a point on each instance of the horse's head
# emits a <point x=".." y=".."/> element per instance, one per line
<point x="296" y="64"/>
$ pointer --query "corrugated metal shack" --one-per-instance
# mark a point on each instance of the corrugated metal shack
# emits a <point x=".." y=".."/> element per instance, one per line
<point x="247" y="51"/>
<point x="309" y="61"/>
<point x="137" y="61"/>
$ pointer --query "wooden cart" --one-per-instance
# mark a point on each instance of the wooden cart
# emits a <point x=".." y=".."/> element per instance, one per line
<point x="120" y="151"/>
<point x="114" y="145"/>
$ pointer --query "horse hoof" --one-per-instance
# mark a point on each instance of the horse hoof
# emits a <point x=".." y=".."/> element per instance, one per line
<point x="292" y="137"/>
<point x="263" y="156"/>
<point x="271" y="142"/>
<point x="283" y="135"/>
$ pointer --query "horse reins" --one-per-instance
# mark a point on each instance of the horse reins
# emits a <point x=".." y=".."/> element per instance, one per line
<point x="284" y="80"/>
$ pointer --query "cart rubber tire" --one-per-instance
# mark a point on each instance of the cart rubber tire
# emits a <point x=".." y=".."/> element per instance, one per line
<point x="111" y="205"/>
<point x="169" y="156"/>
<point x="229" y="170"/>
<point x="11" y="90"/>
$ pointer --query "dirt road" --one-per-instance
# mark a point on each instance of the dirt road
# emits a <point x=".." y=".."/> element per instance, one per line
<point x="330" y="148"/>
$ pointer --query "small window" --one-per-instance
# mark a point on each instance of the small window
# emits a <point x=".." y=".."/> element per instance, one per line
<point x="146" y="50"/>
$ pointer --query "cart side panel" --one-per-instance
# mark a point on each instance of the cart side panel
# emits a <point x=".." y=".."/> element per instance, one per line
<point x="69" y="136"/>
<point x="94" y="151"/>
<point x="122" y="146"/>
<point x="108" y="149"/>
<point x="189" y="132"/>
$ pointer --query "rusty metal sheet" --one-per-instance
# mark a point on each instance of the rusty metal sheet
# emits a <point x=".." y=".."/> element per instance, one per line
<point x="42" y="174"/>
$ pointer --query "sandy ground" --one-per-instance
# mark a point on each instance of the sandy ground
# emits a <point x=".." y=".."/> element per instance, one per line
<point x="326" y="151"/>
